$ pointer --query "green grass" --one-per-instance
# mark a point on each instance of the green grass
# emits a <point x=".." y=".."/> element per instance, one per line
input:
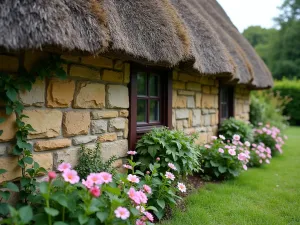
<point x="260" y="196"/>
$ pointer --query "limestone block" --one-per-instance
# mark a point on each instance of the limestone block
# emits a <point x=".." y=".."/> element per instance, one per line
<point x="97" y="61"/>
<point x="36" y="96"/>
<point x="186" y="77"/>
<point x="206" y="89"/>
<point x="34" y="57"/>
<point x="120" y="133"/>
<point x="104" y="114"/>
<point x="182" y="114"/>
<point x="246" y="108"/>
<point x="207" y="81"/>
<point x="90" y="95"/>
<point x="118" y="148"/>
<point x="124" y="113"/>
<point x="112" y="76"/>
<point x="70" y="155"/>
<point x="214" y="90"/>
<point x="193" y="86"/>
<point x="196" y="117"/>
<point x="181" y="102"/>
<point x="190" y="102"/>
<point x="186" y="93"/>
<point x="108" y="137"/>
<point x="200" y="129"/>
<point x="198" y="100"/>
<point x="126" y="73"/>
<point x="71" y="58"/>
<point x="76" y="123"/>
<point x="84" y="72"/>
<point x="190" y="119"/>
<point x="9" y="63"/>
<point x="202" y="139"/>
<point x="83" y="140"/>
<point x="51" y="144"/>
<point x="3" y="150"/>
<point x="60" y="93"/>
<point x="208" y="101"/>
<point x="126" y="129"/>
<point x="178" y="85"/>
<point x="189" y="131"/>
<point x="117" y="123"/>
<point x="211" y="111"/>
<point x="98" y="126"/>
<point x="117" y="96"/>
<point x="8" y="126"/>
<point x="174" y="98"/>
<point x="207" y="121"/>
<point x="213" y="119"/>
<point x="118" y="65"/>
<point x="205" y="111"/>
<point x="175" y="74"/>
<point x="173" y="119"/>
<point x="216" y="102"/>
<point x="47" y="123"/>
<point x="185" y="124"/>
<point x="179" y="125"/>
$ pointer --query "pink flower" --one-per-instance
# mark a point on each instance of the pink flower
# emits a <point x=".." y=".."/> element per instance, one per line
<point x="122" y="213"/>
<point x="214" y="138"/>
<point x="133" y="195"/>
<point x="172" y="166"/>
<point x="105" y="177"/>
<point x="133" y="178"/>
<point x="64" y="166"/>
<point x="71" y="176"/>
<point x="181" y="187"/>
<point x="143" y="198"/>
<point x="207" y="146"/>
<point x="232" y="152"/>
<point x="51" y="175"/>
<point x="95" y="191"/>
<point x="147" y="188"/>
<point x="87" y="183"/>
<point x="149" y="216"/>
<point x="260" y="161"/>
<point x="236" y="137"/>
<point x="131" y="152"/>
<point x="157" y="159"/>
<point x="242" y="157"/>
<point x="170" y="175"/>
<point x="140" y="208"/>
<point x="140" y="222"/>
<point x="221" y="150"/>
<point x="254" y="145"/>
<point x="127" y="166"/>
<point x="94" y="178"/>
<point x="245" y="167"/>
<point x="268" y="161"/>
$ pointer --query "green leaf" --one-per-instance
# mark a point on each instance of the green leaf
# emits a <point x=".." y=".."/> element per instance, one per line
<point x="60" y="198"/>
<point x="3" y="209"/>
<point x="8" y="109"/>
<point x="3" y="171"/>
<point x="51" y="211"/>
<point x="214" y="164"/>
<point x="11" y="93"/>
<point x="28" y="160"/>
<point x="44" y="187"/>
<point x="1" y="132"/>
<point x="102" y="216"/>
<point x="5" y="195"/>
<point x="152" y="150"/>
<point x="60" y="223"/>
<point x="26" y="214"/>
<point x="161" y="203"/>
<point x="12" y="187"/>
<point x="41" y="219"/>
<point x="2" y="120"/>
<point x="152" y="208"/>
<point x="115" y="191"/>
<point x="222" y="169"/>
<point x="82" y="219"/>
<point x="134" y="211"/>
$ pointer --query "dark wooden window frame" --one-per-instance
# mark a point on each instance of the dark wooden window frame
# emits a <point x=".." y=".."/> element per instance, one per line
<point x="230" y="101"/>
<point x="137" y="130"/>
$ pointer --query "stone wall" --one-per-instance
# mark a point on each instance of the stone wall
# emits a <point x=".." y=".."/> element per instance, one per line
<point x="92" y="104"/>
<point x="195" y="105"/>
<point x="242" y="103"/>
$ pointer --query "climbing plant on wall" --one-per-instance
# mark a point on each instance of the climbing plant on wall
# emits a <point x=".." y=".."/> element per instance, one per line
<point x="10" y="86"/>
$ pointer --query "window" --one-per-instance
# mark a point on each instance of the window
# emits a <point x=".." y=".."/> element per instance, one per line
<point x="150" y="101"/>
<point x="226" y="102"/>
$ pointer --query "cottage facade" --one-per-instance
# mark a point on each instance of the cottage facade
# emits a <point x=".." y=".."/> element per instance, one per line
<point x="182" y="64"/>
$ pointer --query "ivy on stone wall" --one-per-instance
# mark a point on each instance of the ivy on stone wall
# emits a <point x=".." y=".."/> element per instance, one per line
<point x="10" y="87"/>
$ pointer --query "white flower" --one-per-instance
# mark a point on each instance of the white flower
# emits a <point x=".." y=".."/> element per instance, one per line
<point x="236" y="137"/>
<point x="214" y="138"/>
<point x="170" y="176"/>
<point x="181" y="187"/>
<point x="222" y="137"/>
<point x="247" y="143"/>
<point x="172" y="166"/>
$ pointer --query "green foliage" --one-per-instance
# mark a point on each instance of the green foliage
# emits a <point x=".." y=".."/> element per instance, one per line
<point x="233" y="126"/>
<point x="267" y="107"/>
<point x="291" y="89"/>
<point x="91" y="161"/>
<point x="169" y="146"/>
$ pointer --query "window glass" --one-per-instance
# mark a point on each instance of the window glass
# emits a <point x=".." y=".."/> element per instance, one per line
<point x="141" y="111"/>
<point x="154" y="110"/>
<point x="153" y="85"/>
<point x="142" y="84"/>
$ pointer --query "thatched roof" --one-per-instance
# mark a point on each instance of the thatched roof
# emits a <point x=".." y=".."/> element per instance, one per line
<point x="194" y="33"/>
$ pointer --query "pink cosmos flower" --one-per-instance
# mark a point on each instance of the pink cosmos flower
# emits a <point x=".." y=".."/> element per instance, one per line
<point x="87" y="183"/>
<point x="214" y="138"/>
<point x="222" y="137"/>
<point x="140" y="208"/>
<point x="64" y="166"/>
<point x="172" y="166"/>
<point x="236" y="137"/>
<point x="221" y="150"/>
<point x="232" y="152"/>
<point x="95" y="178"/>
<point x="133" y="178"/>
<point x="254" y="145"/>
<point x="207" y="146"/>
<point x="147" y="189"/>
<point x="170" y="175"/>
<point x="127" y="166"/>
<point x="105" y="177"/>
<point x="51" y="175"/>
<point x="245" y="167"/>
<point x="140" y="222"/>
<point x="131" y="152"/>
<point x="181" y="187"/>
<point x="71" y="176"/>
<point x="157" y="159"/>
<point x="143" y="198"/>
<point x="133" y="195"/>
<point x="122" y="213"/>
<point x="149" y="216"/>
<point x="247" y="143"/>
<point x="242" y="157"/>
<point x="95" y="191"/>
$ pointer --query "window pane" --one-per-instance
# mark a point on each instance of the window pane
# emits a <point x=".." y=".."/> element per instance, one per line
<point x="142" y="84"/>
<point x="141" y="110"/>
<point x="153" y="85"/>
<point x="154" y="110"/>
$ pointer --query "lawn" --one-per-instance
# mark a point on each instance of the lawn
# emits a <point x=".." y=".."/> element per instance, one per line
<point x="263" y="196"/>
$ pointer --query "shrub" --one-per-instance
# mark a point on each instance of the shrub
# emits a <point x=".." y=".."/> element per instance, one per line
<point x="259" y="154"/>
<point x="267" y="107"/>
<point x="170" y="146"/>
<point x="233" y="126"/>
<point x="290" y="89"/>
<point x="222" y="160"/>
<point x="90" y="161"/>
<point x="270" y="137"/>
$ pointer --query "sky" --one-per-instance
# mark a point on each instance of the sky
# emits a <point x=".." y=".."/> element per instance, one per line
<point x="245" y="13"/>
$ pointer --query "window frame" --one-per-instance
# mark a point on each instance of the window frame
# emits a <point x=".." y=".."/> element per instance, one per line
<point x="230" y="102"/>
<point x="137" y="130"/>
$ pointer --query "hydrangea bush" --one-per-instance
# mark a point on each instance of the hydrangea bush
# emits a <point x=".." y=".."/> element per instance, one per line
<point x="259" y="154"/>
<point x="223" y="159"/>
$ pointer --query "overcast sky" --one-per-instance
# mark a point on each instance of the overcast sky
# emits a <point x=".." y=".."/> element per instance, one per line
<point x="245" y="13"/>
